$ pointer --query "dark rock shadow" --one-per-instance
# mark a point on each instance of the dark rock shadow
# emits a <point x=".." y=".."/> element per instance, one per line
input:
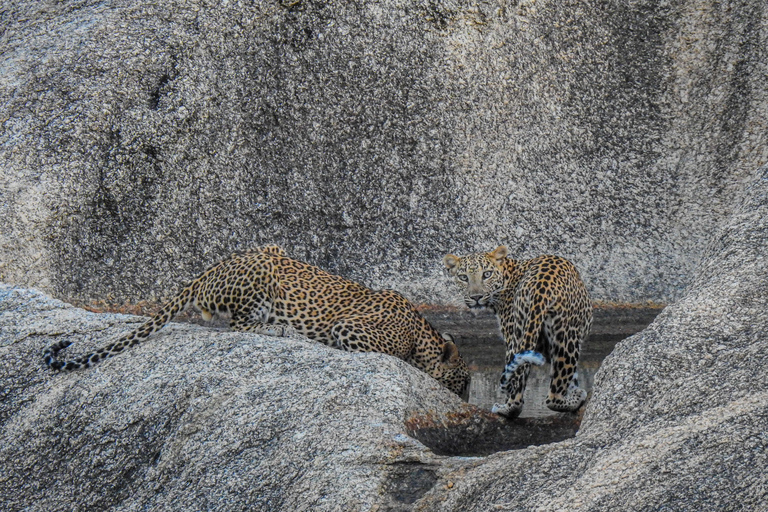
<point x="475" y="432"/>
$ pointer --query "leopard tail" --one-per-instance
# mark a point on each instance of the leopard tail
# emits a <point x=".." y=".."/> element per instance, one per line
<point x="141" y="333"/>
<point x="521" y="358"/>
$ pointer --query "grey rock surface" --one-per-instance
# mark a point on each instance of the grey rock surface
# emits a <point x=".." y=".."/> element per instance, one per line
<point x="142" y="141"/>
<point x="199" y="419"/>
<point x="679" y="415"/>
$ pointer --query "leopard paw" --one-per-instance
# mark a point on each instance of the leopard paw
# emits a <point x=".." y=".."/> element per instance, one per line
<point x="287" y="330"/>
<point x="574" y="398"/>
<point x="506" y="410"/>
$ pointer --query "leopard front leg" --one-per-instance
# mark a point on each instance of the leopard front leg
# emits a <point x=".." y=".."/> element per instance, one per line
<point x="368" y="334"/>
<point x="565" y="395"/>
<point x="255" y="321"/>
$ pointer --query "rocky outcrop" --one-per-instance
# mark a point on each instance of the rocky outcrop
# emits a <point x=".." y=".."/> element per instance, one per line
<point x="199" y="419"/>
<point x="142" y="141"/>
<point x="679" y="417"/>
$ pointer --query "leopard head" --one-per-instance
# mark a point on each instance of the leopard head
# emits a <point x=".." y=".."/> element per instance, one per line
<point x="451" y="371"/>
<point x="479" y="275"/>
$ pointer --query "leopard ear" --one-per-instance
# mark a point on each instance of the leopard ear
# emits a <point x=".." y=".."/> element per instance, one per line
<point x="447" y="337"/>
<point x="499" y="254"/>
<point x="451" y="356"/>
<point x="450" y="261"/>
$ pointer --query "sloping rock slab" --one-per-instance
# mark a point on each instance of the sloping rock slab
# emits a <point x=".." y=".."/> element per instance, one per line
<point x="200" y="419"/>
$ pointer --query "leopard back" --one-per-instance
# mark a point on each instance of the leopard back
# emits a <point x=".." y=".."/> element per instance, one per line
<point x="264" y="291"/>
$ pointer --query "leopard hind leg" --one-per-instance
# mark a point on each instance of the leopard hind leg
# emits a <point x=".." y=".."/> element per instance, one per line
<point x="513" y="381"/>
<point x="565" y="395"/>
<point x="522" y="340"/>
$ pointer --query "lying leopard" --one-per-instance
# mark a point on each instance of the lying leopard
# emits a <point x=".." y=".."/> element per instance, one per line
<point x="544" y="312"/>
<point x="267" y="292"/>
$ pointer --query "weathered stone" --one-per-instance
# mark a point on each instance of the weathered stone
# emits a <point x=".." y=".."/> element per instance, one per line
<point x="199" y="419"/>
<point x="202" y="419"/>
<point x="679" y="415"/>
<point x="143" y="141"/>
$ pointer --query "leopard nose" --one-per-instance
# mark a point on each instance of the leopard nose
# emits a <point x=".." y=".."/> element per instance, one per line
<point x="476" y="298"/>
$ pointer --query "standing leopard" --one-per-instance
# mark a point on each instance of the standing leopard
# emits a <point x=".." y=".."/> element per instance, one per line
<point x="544" y="312"/>
<point x="267" y="292"/>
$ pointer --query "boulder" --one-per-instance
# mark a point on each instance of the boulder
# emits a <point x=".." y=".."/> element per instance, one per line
<point x="678" y="419"/>
<point x="202" y="419"/>
<point x="197" y="418"/>
<point x="143" y="141"/>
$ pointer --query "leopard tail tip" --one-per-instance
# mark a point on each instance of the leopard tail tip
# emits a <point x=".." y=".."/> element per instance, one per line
<point x="50" y="353"/>
<point x="528" y="356"/>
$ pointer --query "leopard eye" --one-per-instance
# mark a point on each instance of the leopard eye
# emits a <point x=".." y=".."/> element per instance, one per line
<point x="463" y="277"/>
<point x="487" y="274"/>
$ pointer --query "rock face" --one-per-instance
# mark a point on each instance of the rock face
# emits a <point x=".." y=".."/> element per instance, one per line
<point x="143" y="141"/>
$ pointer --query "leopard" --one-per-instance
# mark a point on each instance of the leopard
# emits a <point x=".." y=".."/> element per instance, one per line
<point x="544" y="313"/>
<point x="265" y="291"/>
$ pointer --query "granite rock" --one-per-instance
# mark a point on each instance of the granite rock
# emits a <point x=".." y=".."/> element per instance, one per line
<point x="203" y="419"/>
<point x="142" y="141"/>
